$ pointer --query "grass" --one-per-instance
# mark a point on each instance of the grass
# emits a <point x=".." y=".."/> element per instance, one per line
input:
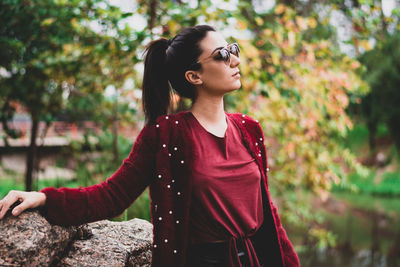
<point x="389" y="184"/>
<point x="386" y="184"/>
<point x="357" y="138"/>
<point x="139" y="209"/>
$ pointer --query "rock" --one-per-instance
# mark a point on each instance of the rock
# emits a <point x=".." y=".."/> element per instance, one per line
<point x="113" y="244"/>
<point x="30" y="240"/>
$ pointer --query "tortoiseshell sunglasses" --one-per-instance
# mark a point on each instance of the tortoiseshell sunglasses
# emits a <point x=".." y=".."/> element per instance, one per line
<point x="224" y="53"/>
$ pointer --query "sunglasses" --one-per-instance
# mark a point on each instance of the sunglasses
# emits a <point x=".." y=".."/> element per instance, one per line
<point x="224" y="54"/>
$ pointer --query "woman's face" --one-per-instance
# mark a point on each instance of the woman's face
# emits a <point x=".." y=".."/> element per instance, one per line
<point x="217" y="77"/>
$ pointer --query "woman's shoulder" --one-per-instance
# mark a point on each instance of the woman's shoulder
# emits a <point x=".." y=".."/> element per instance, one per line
<point x="170" y="119"/>
<point x="251" y="125"/>
<point x="167" y="124"/>
<point x="242" y="118"/>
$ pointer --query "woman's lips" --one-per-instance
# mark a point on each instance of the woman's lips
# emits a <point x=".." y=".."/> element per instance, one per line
<point x="236" y="75"/>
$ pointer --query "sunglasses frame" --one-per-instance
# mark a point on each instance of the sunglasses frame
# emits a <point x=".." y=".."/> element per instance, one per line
<point x="227" y="53"/>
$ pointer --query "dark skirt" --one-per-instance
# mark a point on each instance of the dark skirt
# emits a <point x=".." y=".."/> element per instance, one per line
<point x="216" y="255"/>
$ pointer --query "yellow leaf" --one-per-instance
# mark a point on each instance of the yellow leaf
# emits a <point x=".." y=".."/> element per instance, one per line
<point x="275" y="58"/>
<point x="274" y="94"/>
<point x="366" y="45"/>
<point x="74" y="23"/>
<point x="312" y="22"/>
<point x="355" y="65"/>
<point x="67" y="48"/>
<point x="47" y="22"/>
<point x="301" y="23"/>
<point x="268" y="32"/>
<point x="241" y="25"/>
<point x="259" y="21"/>
<point x="271" y="70"/>
<point x="279" y="9"/>
<point x="291" y="38"/>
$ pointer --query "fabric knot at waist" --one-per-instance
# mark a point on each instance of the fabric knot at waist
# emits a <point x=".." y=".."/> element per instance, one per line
<point x="248" y="247"/>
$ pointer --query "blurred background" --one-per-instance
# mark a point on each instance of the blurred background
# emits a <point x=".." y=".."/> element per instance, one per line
<point x="322" y="77"/>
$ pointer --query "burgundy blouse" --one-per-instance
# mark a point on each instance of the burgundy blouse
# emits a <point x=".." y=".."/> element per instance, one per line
<point x="226" y="200"/>
<point x="162" y="158"/>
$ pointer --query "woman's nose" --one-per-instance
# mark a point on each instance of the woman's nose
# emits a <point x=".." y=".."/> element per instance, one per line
<point x="235" y="60"/>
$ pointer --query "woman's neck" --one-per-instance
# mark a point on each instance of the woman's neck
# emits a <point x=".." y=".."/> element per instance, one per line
<point x="209" y="110"/>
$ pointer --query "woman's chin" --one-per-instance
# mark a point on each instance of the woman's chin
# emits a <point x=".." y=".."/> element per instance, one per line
<point x="237" y="85"/>
<point x="233" y="88"/>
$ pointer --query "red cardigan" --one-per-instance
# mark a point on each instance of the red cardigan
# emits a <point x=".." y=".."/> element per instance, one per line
<point x="161" y="158"/>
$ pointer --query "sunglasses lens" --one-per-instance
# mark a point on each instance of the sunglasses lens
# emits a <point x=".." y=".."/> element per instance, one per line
<point x="223" y="55"/>
<point x="234" y="49"/>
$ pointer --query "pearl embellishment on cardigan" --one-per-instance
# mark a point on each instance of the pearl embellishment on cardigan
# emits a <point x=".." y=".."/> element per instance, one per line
<point x="182" y="162"/>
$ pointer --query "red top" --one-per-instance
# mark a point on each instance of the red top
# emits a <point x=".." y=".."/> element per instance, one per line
<point x="226" y="200"/>
<point x="162" y="158"/>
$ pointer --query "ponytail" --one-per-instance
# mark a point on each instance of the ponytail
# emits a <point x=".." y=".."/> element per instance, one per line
<point x="156" y="94"/>
<point x="164" y="71"/>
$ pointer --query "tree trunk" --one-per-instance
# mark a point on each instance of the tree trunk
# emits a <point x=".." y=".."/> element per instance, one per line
<point x="372" y="128"/>
<point x="31" y="152"/>
<point x="115" y="129"/>
<point x="394" y="129"/>
<point x="152" y="14"/>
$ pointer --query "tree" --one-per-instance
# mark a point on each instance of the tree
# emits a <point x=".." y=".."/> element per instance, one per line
<point x="382" y="104"/>
<point x="49" y="50"/>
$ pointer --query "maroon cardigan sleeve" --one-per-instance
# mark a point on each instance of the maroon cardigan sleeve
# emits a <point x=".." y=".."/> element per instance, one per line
<point x="75" y="206"/>
<point x="290" y="256"/>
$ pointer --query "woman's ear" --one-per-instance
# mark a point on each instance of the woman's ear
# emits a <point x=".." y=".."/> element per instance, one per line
<point x="193" y="77"/>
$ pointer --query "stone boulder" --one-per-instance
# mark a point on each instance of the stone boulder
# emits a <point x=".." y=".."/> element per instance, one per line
<point x="29" y="240"/>
<point x="113" y="244"/>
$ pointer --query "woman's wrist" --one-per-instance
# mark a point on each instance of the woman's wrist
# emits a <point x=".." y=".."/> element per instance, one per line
<point x="42" y="199"/>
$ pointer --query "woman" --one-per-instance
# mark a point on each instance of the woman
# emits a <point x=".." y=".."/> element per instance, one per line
<point x="207" y="169"/>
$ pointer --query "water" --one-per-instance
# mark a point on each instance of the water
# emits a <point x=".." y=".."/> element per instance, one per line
<point x="367" y="231"/>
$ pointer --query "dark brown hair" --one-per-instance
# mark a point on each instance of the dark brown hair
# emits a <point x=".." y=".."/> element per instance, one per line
<point x="165" y="64"/>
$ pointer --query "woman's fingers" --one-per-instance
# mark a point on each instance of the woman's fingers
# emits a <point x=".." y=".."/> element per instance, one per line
<point x="20" y="208"/>
<point x="19" y="201"/>
<point x="12" y="197"/>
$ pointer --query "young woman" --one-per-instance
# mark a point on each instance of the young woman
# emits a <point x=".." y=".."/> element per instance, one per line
<point x="206" y="168"/>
